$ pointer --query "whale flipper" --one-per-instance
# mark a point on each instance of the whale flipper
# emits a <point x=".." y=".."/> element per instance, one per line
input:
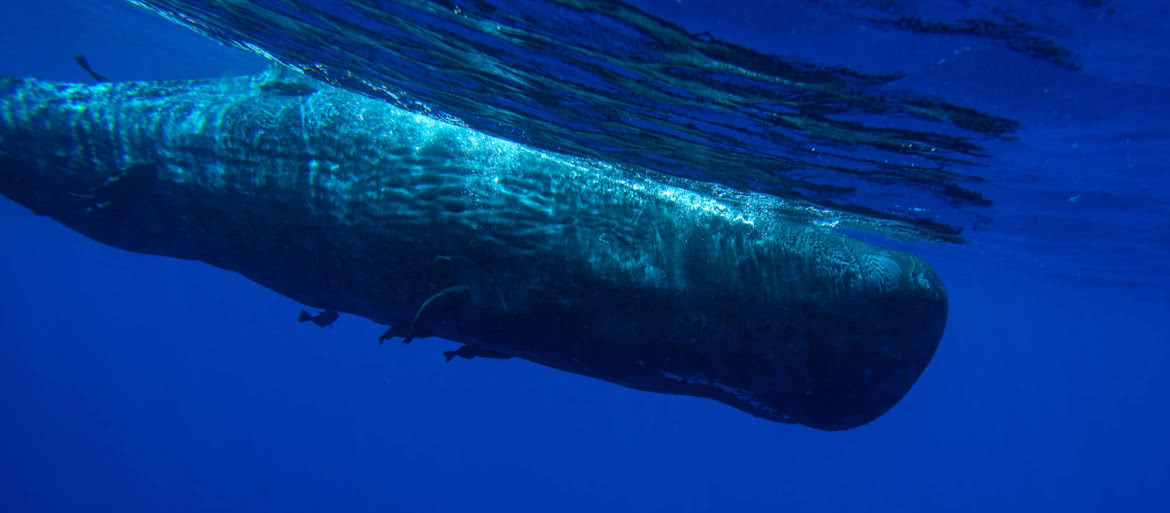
<point x="454" y="289"/>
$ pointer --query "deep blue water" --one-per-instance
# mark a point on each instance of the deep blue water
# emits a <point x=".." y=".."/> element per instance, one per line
<point x="140" y="383"/>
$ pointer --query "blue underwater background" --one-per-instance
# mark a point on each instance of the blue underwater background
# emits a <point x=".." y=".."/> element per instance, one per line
<point x="131" y="382"/>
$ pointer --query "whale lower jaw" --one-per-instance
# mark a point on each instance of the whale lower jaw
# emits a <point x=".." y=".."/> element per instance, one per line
<point x="345" y="203"/>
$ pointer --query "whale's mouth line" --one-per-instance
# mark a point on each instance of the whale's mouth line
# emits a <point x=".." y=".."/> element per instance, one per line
<point x="351" y="205"/>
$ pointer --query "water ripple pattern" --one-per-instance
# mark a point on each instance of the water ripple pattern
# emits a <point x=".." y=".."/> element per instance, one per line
<point x="606" y="81"/>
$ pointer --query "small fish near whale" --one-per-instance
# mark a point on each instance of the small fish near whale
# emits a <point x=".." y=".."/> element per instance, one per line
<point x="322" y="319"/>
<point x="353" y="205"/>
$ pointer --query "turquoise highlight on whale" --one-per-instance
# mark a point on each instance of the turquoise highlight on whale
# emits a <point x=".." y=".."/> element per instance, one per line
<point x="346" y="203"/>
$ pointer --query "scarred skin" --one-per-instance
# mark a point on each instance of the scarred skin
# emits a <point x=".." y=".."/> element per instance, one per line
<point x="348" y="204"/>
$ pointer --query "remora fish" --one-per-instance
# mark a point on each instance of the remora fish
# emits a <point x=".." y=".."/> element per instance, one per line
<point x="350" y="204"/>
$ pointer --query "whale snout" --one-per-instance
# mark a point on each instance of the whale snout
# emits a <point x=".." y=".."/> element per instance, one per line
<point x="885" y="335"/>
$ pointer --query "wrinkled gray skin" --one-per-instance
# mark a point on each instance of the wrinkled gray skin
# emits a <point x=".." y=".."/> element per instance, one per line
<point x="346" y="203"/>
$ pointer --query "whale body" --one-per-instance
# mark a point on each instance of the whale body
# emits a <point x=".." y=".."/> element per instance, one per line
<point x="349" y="204"/>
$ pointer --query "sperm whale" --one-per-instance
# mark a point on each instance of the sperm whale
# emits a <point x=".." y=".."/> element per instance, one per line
<point x="352" y="205"/>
